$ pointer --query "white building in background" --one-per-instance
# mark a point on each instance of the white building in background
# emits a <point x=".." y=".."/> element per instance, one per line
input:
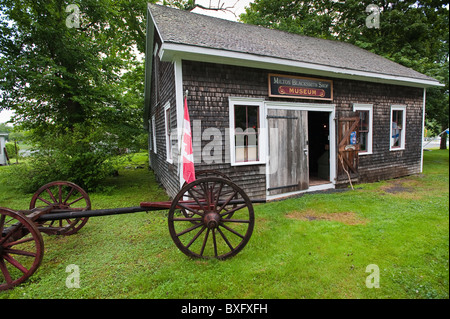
<point x="3" y="158"/>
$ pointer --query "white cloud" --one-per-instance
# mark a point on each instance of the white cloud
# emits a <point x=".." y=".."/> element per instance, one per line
<point x="5" y="115"/>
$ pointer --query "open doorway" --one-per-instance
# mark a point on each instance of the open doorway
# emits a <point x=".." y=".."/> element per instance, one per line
<point x="319" y="148"/>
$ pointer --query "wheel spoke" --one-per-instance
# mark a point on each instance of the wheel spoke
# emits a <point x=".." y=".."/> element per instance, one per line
<point x="51" y="196"/>
<point x="214" y="242"/>
<point x="204" y="242"/>
<point x="68" y="195"/>
<point x="227" y="212"/>
<point x="196" y="199"/>
<point x="2" y="223"/>
<point x="187" y="219"/>
<point x="20" y="252"/>
<point x="76" y="200"/>
<point x="231" y="230"/>
<point x="216" y="202"/>
<point x="5" y="272"/>
<point x="10" y="233"/>
<point x="15" y="263"/>
<point x="18" y="242"/>
<point x="60" y="194"/>
<point x="186" y="207"/>
<point x="228" y="200"/>
<point x="188" y="230"/>
<point x="225" y="238"/>
<point x="195" y="237"/>
<point x="44" y="200"/>
<point x="242" y="221"/>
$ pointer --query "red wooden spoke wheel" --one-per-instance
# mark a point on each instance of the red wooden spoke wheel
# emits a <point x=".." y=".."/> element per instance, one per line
<point x="21" y="248"/>
<point x="66" y="196"/>
<point x="209" y="232"/>
<point x="202" y="174"/>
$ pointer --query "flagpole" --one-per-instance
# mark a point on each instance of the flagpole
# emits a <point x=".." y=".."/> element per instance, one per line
<point x="180" y="139"/>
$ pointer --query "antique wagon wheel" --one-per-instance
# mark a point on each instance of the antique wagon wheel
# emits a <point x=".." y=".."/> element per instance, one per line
<point x="66" y="196"/>
<point x="21" y="248"/>
<point x="210" y="232"/>
<point x="203" y="174"/>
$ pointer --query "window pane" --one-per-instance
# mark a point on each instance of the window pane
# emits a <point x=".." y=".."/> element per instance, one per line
<point x="252" y="117"/>
<point x="364" y="120"/>
<point x="240" y="117"/>
<point x="397" y="119"/>
<point x="246" y="120"/>
<point x="363" y="141"/>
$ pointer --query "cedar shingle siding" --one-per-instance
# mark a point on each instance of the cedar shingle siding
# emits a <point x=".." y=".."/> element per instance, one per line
<point x="211" y="81"/>
<point x="165" y="172"/>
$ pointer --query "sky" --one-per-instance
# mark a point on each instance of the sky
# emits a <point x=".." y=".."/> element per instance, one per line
<point x="5" y="116"/>
<point x="236" y="6"/>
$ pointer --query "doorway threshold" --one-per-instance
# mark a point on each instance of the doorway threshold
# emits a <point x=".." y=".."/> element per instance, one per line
<point x="312" y="188"/>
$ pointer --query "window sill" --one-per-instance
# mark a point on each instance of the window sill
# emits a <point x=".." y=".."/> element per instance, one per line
<point x="247" y="163"/>
<point x="364" y="153"/>
<point x="397" y="149"/>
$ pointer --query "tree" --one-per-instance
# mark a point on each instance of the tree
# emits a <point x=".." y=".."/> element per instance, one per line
<point x="65" y="68"/>
<point x="189" y="5"/>
<point x="412" y="33"/>
<point x="311" y="18"/>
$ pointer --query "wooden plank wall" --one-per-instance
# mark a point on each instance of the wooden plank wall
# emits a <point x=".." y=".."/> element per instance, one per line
<point x="383" y="163"/>
<point x="165" y="172"/>
<point x="210" y="85"/>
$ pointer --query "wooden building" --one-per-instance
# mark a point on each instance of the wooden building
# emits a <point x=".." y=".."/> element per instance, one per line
<point x="277" y="112"/>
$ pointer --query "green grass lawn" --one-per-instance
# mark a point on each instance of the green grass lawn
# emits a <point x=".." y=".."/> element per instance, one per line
<point x="314" y="246"/>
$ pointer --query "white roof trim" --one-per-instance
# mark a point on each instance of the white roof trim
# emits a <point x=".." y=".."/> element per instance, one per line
<point x="195" y="53"/>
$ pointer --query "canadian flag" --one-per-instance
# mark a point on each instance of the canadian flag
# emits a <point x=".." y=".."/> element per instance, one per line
<point x="186" y="152"/>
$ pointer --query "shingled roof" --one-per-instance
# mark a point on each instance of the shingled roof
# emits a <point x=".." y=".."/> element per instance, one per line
<point x="198" y="31"/>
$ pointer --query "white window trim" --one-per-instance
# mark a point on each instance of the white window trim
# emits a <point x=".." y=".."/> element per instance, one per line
<point x="169" y="157"/>
<point x="261" y="137"/>
<point x="154" y="134"/>
<point x="366" y="107"/>
<point x="150" y="140"/>
<point x="397" y="108"/>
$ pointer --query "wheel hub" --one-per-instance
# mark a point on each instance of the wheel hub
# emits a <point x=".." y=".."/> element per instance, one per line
<point x="212" y="220"/>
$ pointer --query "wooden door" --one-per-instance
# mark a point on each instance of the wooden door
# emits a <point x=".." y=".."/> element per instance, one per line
<point x="288" y="151"/>
<point x="348" y="147"/>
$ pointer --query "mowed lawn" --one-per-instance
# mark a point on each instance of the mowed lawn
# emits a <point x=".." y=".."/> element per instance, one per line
<point x="314" y="246"/>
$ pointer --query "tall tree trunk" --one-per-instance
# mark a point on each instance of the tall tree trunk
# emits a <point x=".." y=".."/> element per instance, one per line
<point x="443" y="141"/>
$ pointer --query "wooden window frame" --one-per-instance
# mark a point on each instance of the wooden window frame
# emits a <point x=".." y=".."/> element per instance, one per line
<point x="403" y="129"/>
<point x="233" y="102"/>
<point x="155" y="149"/>
<point x="366" y="108"/>
<point x="167" y="126"/>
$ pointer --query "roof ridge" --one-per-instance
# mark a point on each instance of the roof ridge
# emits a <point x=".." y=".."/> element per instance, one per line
<point x="247" y="24"/>
<point x="200" y="30"/>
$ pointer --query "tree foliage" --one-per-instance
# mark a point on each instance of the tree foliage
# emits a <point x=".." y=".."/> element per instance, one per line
<point x="412" y="33"/>
<point x="77" y="87"/>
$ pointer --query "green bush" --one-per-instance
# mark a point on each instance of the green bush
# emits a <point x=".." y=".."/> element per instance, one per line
<point x="11" y="149"/>
<point x="79" y="157"/>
